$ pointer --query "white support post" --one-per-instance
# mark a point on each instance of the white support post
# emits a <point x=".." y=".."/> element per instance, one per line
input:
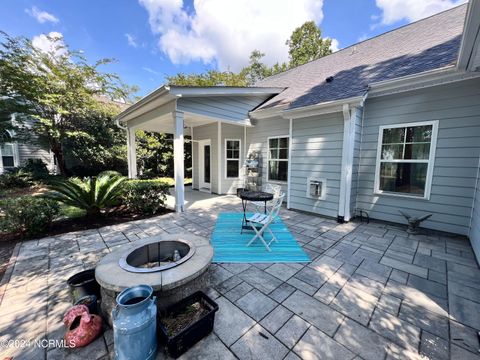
<point x="178" y="160"/>
<point x="193" y="157"/>
<point x="289" y="172"/>
<point x="219" y="157"/>
<point x="344" y="211"/>
<point x="131" y="153"/>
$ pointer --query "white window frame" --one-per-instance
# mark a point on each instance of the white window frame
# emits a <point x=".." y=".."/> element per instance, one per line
<point x="239" y="159"/>
<point x="16" y="158"/>
<point x="430" y="161"/>
<point x="269" y="159"/>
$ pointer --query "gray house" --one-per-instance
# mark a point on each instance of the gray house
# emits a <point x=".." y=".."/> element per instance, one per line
<point x="391" y="123"/>
<point x="14" y="154"/>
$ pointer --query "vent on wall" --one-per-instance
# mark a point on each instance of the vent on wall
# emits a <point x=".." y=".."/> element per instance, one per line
<point x="317" y="188"/>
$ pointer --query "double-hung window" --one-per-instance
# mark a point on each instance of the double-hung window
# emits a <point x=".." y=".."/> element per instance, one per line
<point x="278" y="158"/>
<point x="232" y="158"/>
<point x="405" y="159"/>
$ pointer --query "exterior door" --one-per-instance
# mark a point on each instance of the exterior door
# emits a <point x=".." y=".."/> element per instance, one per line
<point x="205" y="172"/>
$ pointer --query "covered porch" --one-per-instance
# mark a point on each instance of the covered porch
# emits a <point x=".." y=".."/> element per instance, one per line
<point x="211" y="117"/>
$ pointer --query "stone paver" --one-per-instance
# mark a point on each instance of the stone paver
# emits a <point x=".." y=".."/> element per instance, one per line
<point x="372" y="291"/>
<point x="259" y="344"/>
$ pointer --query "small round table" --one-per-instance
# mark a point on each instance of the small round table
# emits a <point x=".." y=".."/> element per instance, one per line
<point x="247" y="196"/>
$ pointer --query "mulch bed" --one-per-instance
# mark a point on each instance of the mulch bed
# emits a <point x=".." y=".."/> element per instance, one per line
<point x="8" y="241"/>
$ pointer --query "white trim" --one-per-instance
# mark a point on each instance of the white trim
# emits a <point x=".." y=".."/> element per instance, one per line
<point x="349" y="117"/>
<point x="289" y="172"/>
<point x="322" y="108"/>
<point x="193" y="157"/>
<point x="268" y="158"/>
<point x="267" y="112"/>
<point x="477" y="184"/>
<point x="443" y="76"/>
<point x="226" y="159"/>
<point x="179" y="160"/>
<point x="430" y="161"/>
<point x="470" y="38"/>
<point x="185" y="91"/>
<point x="219" y="158"/>
<point x="131" y="153"/>
<point x="201" y="165"/>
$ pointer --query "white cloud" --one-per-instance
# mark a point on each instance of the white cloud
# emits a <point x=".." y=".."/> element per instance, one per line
<point x="151" y="71"/>
<point x="132" y="41"/>
<point x="42" y="16"/>
<point x="46" y="43"/>
<point x="412" y="10"/>
<point x="335" y="46"/>
<point x="225" y="32"/>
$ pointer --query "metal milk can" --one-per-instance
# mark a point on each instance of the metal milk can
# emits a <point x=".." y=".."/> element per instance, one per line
<point x="135" y="324"/>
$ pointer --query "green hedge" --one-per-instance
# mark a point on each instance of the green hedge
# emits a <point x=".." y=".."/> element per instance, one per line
<point x="146" y="196"/>
<point x="28" y="214"/>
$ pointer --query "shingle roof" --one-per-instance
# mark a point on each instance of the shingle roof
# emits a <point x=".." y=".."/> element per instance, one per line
<point x="428" y="44"/>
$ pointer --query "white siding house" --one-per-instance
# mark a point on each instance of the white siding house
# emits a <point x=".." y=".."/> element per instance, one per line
<point x="389" y="124"/>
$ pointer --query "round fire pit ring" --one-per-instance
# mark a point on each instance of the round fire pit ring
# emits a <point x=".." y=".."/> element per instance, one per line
<point x="157" y="256"/>
<point x="150" y="261"/>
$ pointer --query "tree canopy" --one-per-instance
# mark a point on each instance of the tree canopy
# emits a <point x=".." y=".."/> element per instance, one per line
<point x="57" y="89"/>
<point x="306" y="44"/>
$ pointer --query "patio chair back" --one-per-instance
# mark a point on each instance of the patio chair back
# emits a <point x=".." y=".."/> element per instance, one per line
<point x="276" y="190"/>
<point x="276" y="206"/>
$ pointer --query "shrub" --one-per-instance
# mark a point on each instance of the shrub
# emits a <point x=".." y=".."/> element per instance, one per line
<point x="146" y="196"/>
<point x="36" y="169"/>
<point x="91" y="194"/>
<point x="28" y="214"/>
<point x="16" y="178"/>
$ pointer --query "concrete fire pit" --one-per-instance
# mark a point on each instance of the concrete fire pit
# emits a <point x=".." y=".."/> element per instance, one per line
<point x="174" y="265"/>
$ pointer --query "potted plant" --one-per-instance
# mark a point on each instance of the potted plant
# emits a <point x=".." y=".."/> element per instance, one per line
<point x="185" y="323"/>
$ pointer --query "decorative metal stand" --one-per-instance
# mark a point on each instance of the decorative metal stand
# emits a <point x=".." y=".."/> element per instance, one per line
<point x="414" y="222"/>
<point x="253" y="172"/>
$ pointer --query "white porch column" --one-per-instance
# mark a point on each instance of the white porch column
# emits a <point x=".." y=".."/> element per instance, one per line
<point x="131" y="153"/>
<point x="178" y="160"/>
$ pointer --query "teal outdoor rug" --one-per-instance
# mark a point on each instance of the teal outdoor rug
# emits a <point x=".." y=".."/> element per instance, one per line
<point x="231" y="247"/>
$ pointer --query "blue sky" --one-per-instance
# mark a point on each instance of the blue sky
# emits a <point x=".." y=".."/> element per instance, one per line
<point x="153" y="38"/>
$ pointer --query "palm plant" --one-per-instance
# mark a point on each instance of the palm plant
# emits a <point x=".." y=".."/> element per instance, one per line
<point x="91" y="194"/>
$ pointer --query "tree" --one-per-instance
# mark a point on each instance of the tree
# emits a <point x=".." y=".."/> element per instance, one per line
<point x="208" y="78"/>
<point x="306" y="44"/>
<point x="56" y="88"/>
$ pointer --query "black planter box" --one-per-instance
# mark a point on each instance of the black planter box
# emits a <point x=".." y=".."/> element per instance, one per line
<point x="185" y="339"/>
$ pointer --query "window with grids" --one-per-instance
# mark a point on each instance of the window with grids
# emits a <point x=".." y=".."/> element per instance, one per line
<point x="278" y="159"/>
<point x="232" y="158"/>
<point x="6" y="151"/>
<point x="405" y="158"/>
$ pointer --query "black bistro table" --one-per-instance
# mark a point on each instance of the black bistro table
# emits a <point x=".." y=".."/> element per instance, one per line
<point x="246" y="196"/>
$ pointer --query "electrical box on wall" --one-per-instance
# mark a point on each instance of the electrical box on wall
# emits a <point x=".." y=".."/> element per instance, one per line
<point x="317" y="188"/>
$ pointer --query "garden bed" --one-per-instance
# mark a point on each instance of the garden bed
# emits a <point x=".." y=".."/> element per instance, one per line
<point x="66" y="225"/>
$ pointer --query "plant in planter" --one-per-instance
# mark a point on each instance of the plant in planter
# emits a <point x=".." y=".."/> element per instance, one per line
<point x="183" y="324"/>
<point x="91" y="194"/>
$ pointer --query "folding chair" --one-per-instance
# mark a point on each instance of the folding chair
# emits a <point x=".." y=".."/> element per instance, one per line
<point x="261" y="222"/>
<point x="272" y="189"/>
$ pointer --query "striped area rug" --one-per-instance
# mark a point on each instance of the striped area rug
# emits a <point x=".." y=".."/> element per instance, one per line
<point x="231" y="247"/>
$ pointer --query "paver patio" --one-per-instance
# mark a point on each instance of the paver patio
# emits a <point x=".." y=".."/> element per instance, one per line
<point x="372" y="291"/>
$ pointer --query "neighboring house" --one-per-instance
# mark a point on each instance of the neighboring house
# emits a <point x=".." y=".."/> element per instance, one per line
<point x="391" y="123"/>
<point x="14" y="154"/>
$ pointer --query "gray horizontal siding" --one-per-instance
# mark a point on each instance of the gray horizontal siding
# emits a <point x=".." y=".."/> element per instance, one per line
<point x="475" y="226"/>
<point x="457" y="107"/>
<point x="257" y="139"/>
<point x="234" y="108"/>
<point x="317" y="152"/>
<point x="29" y="151"/>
